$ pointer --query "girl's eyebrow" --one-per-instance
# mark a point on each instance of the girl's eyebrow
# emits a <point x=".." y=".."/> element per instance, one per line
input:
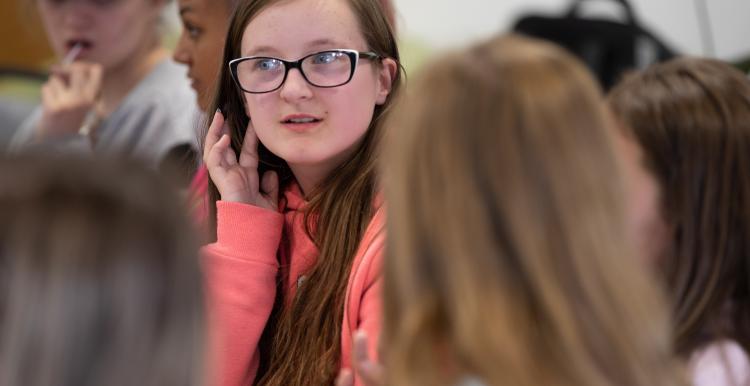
<point x="267" y="50"/>
<point x="323" y="42"/>
<point x="261" y="51"/>
<point x="185" y="9"/>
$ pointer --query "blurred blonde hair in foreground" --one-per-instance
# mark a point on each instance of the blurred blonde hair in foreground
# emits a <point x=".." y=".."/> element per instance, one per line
<point x="99" y="282"/>
<point x="507" y="259"/>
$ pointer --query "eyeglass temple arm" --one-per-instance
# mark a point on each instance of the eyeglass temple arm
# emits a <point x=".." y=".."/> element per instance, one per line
<point x="369" y="55"/>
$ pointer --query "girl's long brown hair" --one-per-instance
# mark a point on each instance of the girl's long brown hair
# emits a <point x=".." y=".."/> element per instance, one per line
<point x="506" y="257"/>
<point x="305" y="333"/>
<point x="692" y="118"/>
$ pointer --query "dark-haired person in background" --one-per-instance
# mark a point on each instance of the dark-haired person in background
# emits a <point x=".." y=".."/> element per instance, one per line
<point x="691" y="117"/>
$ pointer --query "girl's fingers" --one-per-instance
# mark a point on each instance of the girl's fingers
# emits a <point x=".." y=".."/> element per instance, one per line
<point x="345" y="378"/>
<point x="360" y="346"/>
<point x="249" y="151"/>
<point x="63" y="73"/>
<point x="54" y="93"/>
<point x="371" y="373"/>
<point x="56" y="69"/>
<point x="57" y="87"/>
<point x="81" y="80"/>
<point x="229" y="158"/>
<point x="78" y="78"/>
<point x="215" y="157"/>
<point x="213" y="134"/>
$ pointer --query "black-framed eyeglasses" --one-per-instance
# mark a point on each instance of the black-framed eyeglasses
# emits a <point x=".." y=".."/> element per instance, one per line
<point x="326" y="69"/>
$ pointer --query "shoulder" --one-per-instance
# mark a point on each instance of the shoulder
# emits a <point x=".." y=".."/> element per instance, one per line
<point x="166" y="90"/>
<point x="364" y="283"/>
<point x="720" y="363"/>
<point x="369" y="257"/>
<point x="161" y="111"/>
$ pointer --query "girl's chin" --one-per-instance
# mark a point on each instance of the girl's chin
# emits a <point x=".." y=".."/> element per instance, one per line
<point x="302" y="161"/>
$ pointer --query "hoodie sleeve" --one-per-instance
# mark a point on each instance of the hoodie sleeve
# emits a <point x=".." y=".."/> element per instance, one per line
<point x="240" y="271"/>
<point x="370" y="313"/>
<point x="370" y="317"/>
<point x="364" y="297"/>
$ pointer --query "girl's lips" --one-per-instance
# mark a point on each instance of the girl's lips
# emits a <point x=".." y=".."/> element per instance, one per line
<point x="78" y="46"/>
<point x="83" y="43"/>
<point x="300" y="122"/>
<point x="301" y="126"/>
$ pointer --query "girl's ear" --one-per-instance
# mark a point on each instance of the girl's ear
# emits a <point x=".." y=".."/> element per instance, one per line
<point x="386" y="75"/>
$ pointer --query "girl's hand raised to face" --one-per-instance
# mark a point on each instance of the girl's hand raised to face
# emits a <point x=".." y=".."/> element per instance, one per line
<point x="238" y="181"/>
<point x="67" y="98"/>
<point x="369" y="371"/>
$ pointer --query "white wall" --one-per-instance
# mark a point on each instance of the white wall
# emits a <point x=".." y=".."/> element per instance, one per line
<point x="444" y="23"/>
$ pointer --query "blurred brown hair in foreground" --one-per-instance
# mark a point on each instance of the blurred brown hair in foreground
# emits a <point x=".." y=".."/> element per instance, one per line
<point x="692" y="118"/>
<point x="99" y="279"/>
<point x="507" y="261"/>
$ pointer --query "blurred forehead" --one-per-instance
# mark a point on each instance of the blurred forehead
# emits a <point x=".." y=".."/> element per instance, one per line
<point x="198" y="8"/>
<point x="290" y="29"/>
<point x="101" y="4"/>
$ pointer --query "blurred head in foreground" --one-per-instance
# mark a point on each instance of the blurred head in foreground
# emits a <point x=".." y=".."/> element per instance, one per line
<point x="99" y="282"/>
<point x="507" y="258"/>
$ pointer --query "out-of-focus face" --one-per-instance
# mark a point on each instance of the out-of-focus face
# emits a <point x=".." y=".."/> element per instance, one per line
<point x="312" y="127"/>
<point x="645" y="221"/>
<point x="110" y="32"/>
<point x="201" y="43"/>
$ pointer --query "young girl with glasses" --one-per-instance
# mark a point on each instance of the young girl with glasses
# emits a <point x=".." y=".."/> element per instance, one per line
<point x="199" y="47"/>
<point x="298" y="218"/>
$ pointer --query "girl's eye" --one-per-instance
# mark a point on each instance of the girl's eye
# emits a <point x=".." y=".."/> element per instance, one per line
<point x="267" y="64"/>
<point x="326" y="57"/>
<point x="194" y="32"/>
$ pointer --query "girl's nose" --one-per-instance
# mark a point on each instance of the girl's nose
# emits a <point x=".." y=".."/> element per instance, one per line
<point x="295" y="86"/>
<point x="77" y="15"/>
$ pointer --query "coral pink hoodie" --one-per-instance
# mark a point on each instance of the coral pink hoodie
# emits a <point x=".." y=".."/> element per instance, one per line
<point x="241" y="274"/>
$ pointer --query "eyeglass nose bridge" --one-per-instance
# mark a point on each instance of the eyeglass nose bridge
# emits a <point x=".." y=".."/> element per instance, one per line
<point x="288" y="66"/>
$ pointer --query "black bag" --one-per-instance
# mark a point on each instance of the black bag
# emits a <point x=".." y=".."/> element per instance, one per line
<point x="608" y="47"/>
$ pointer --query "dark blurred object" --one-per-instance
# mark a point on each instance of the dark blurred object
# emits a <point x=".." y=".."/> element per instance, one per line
<point x="743" y="65"/>
<point x="179" y="165"/>
<point x="608" y="47"/>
